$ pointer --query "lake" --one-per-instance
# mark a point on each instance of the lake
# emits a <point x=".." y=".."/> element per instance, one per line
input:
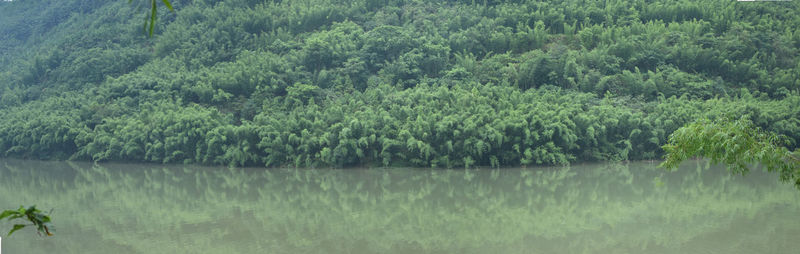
<point x="588" y="208"/>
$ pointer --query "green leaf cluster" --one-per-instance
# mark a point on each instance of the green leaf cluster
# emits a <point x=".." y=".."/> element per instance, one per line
<point x="736" y="143"/>
<point x="151" y="22"/>
<point x="31" y="214"/>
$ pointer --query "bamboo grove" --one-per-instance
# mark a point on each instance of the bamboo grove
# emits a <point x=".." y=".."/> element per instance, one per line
<point x="320" y="83"/>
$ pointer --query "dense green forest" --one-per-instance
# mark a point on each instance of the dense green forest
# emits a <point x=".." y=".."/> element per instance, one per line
<point x="388" y="82"/>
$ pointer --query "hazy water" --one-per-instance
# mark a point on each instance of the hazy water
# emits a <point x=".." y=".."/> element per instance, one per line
<point x="596" y="208"/>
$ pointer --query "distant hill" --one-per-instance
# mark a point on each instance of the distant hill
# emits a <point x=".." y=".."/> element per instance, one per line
<point x="388" y="82"/>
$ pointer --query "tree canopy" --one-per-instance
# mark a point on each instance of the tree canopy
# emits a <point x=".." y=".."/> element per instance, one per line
<point x="739" y="144"/>
<point x="398" y="83"/>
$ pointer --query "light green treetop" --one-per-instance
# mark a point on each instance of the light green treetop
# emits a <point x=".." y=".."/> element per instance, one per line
<point x="738" y="144"/>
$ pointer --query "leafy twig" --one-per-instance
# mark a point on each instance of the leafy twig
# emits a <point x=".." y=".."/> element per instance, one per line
<point x="33" y="215"/>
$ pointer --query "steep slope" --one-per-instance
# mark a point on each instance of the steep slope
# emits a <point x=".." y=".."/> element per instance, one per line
<point x="422" y="83"/>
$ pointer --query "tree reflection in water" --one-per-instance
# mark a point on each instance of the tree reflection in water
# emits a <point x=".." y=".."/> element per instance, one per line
<point x="592" y="208"/>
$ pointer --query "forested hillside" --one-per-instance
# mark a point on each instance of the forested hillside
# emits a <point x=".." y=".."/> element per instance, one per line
<point x="388" y="82"/>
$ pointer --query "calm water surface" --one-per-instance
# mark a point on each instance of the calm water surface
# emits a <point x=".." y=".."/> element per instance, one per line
<point x="593" y="208"/>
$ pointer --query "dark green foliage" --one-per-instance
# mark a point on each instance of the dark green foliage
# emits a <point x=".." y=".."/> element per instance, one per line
<point x="42" y="129"/>
<point x="422" y="83"/>
<point x="160" y="132"/>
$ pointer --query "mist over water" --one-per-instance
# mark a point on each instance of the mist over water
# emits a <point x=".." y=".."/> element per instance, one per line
<point x="591" y="208"/>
